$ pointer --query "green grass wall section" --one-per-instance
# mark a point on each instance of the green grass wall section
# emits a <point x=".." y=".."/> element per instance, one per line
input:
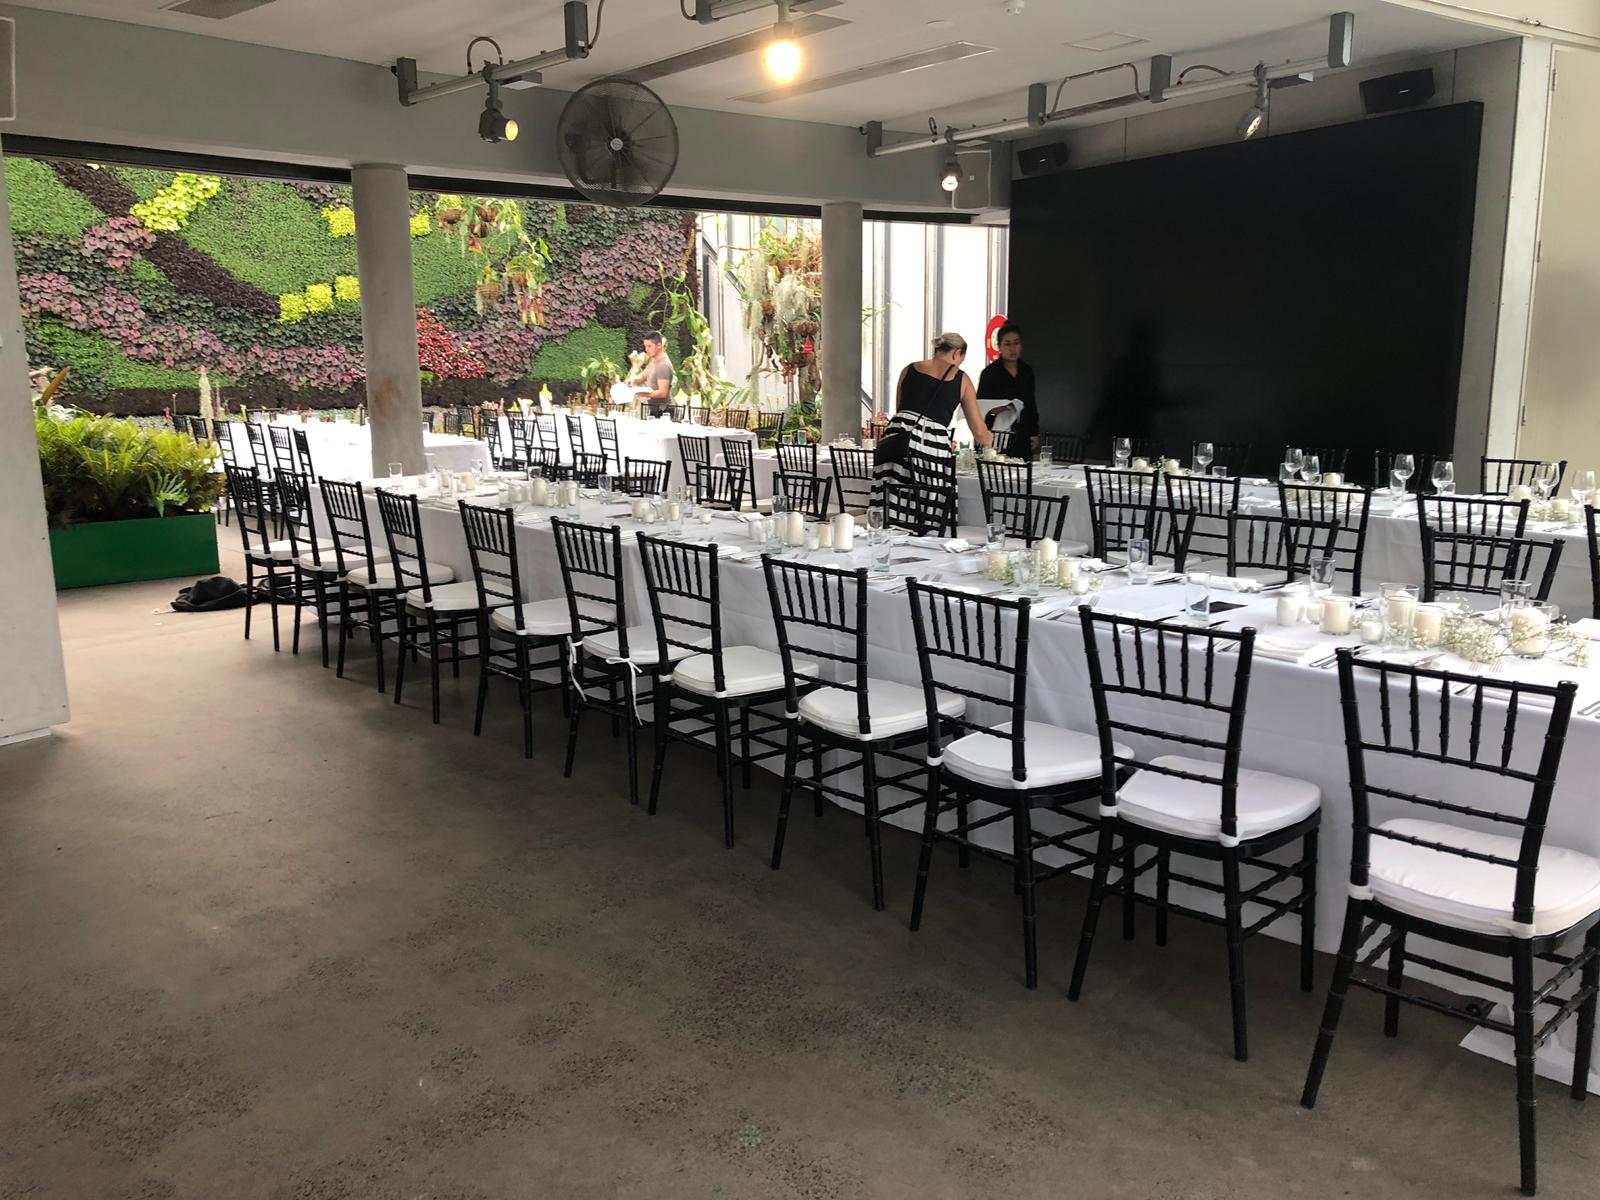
<point x="563" y="360"/>
<point x="41" y="203"/>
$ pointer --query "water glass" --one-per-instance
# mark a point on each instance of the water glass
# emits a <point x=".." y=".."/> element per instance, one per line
<point x="996" y="536"/>
<point x="1403" y="468"/>
<point x="1025" y="572"/>
<point x="1138" y="560"/>
<point x="1582" y="488"/>
<point x="1219" y="471"/>
<point x="1197" y="597"/>
<point x="1047" y="457"/>
<point x="882" y="551"/>
<point x="1323" y="567"/>
<point x="1122" y="451"/>
<point x="396" y="470"/>
<point x="1545" y="477"/>
<point x="772" y="528"/>
<point x="1288" y="471"/>
<point x="875" y="520"/>
<point x="1293" y="454"/>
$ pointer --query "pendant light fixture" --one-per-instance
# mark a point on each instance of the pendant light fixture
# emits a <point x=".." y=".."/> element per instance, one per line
<point x="493" y="124"/>
<point x="782" y="54"/>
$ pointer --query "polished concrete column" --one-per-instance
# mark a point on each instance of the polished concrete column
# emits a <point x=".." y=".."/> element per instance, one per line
<point x="841" y="320"/>
<point x="33" y="683"/>
<point x="382" y="203"/>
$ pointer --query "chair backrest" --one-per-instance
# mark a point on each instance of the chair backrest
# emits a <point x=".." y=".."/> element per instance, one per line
<point x="576" y="434"/>
<point x="1383" y="463"/>
<point x="797" y="458"/>
<point x="587" y="468"/>
<point x="450" y="423"/>
<point x="492" y="544"/>
<point x="1011" y="478"/>
<point x="348" y="529"/>
<point x="1334" y="458"/>
<point x="196" y="428"/>
<point x="1028" y="515"/>
<point x="821" y="616"/>
<point x="740" y="454"/>
<point x="523" y="438"/>
<point x="592" y="576"/>
<point x="1469" y="514"/>
<point x="247" y="491"/>
<point x="260" y="456"/>
<point x="684" y="586"/>
<point x="222" y="435"/>
<point x="697" y="414"/>
<point x="302" y="453"/>
<point x="606" y="428"/>
<point x="852" y="477"/>
<point x="1416" y="715"/>
<point x="1268" y="542"/>
<point x="694" y="450"/>
<point x="1233" y="455"/>
<point x="1500" y="475"/>
<point x="809" y="493"/>
<point x="1168" y="688"/>
<point x="1064" y="447"/>
<point x="1479" y="563"/>
<point x="299" y="516"/>
<point x="402" y="529"/>
<point x="491" y="433"/>
<point x="282" y="448"/>
<point x="545" y="431"/>
<point x="545" y="463"/>
<point x="718" y="487"/>
<point x="919" y="508"/>
<point x="1000" y="441"/>
<point x="977" y="647"/>
<point x="645" y="476"/>
<point x="1594" y="558"/>
<point x="769" y="426"/>
<point x="680" y="413"/>
<point x="1347" y="507"/>
<point x="470" y="421"/>
<point x="1121" y="507"/>
<point x="1145" y="447"/>
<point x="737" y="418"/>
<point x="1206" y="501"/>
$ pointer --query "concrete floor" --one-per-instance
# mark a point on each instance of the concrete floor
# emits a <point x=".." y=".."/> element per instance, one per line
<point x="264" y="934"/>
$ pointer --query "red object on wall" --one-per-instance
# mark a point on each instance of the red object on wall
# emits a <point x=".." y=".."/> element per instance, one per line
<point x="990" y="345"/>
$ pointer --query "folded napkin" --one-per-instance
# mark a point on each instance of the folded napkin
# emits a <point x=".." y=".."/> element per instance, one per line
<point x="1282" y="651"/>
<point x="954" y="545"/>
<point x="1232" y="583"/>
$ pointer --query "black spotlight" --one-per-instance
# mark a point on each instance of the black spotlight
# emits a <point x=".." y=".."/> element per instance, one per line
<point x="493" y="124"/>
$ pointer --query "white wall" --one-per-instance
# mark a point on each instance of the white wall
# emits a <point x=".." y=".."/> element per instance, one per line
<point x="102" y="81"/>
<point x="1507" y="77"/>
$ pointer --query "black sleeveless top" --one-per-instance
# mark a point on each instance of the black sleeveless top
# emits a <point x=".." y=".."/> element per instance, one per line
<point x="934" y="399"/>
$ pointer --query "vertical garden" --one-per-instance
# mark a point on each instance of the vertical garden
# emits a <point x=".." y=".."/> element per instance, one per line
<point x="135" y="279"/>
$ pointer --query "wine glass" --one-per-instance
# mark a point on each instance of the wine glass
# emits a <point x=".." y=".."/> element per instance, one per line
<point x="1310" y="468"/>
<point x="1204" y="452"/>
<point x="1288" y="470"/>
<point x="1295" y="455"/>
<point x="875" y="520"/>
<point x="1403" y="468"/>
<point x="1444" y="477"/>
<point x="396" y="470"/>
<point x="1544" y="480"/>
<point x="1582" y="487"/>
<point x="1122" y="451"/>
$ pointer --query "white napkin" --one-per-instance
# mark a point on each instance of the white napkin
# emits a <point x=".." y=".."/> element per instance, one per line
<point x="1281" y="651"/>
<point x="1231" y="583"/>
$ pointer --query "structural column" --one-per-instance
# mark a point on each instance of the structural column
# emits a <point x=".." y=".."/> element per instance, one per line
<point x="382" y="203"/>
<point x="841" y="320"/>
<point x="33" y="683"/>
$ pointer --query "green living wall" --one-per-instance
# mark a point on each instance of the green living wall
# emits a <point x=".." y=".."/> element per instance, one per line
<point x="134" y="279"/>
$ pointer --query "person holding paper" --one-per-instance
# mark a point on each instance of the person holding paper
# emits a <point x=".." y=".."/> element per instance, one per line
<point x="656" y="395"/>
<point x="1009" y="379"/>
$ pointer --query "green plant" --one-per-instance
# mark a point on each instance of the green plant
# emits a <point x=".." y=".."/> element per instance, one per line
<point x="679" y="313"/>
<point x="105" y="469"/>
<point x="780" y="279"/>
<point x="564" y="360"/>
<point x="41" y="203"/>
<point x="169" y="209"/>
<point x="599" y="375"/>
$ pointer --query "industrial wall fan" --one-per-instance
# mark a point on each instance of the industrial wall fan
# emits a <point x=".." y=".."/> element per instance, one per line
<point x="618" y="142"/>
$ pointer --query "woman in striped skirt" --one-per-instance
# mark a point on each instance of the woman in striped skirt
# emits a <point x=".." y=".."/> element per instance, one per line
<point x="916" y="445"/>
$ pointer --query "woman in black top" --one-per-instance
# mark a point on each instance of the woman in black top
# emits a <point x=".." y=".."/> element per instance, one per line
<point x="917" y="441"/>
<point x="1009" y="378"/>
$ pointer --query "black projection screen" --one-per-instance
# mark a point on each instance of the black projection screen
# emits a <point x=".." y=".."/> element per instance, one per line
<point x="1308" y="288"/>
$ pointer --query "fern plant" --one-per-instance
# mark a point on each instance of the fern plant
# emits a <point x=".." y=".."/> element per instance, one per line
<point x="105" y="469"/>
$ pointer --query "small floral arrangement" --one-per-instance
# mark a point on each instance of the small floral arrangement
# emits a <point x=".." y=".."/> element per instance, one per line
<point x="1467" y="635"/>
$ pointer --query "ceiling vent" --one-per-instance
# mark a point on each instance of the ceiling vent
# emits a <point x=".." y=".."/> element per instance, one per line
<point x="904" y="64"/>
<point x="216" y="10"/>
<point x="1100" y="43"/>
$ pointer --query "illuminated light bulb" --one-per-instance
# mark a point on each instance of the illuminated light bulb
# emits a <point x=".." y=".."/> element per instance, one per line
<point x="782" y="55"/>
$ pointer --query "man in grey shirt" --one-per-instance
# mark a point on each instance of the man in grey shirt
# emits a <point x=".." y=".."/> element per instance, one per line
<point x="656" y="395"/>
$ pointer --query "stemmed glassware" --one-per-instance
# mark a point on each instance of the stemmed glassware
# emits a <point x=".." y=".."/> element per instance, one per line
<point x="1288" y="470"/>
<point x="1293" y="454"/>
<point x="1444" y="477"/>
<point x="1403" y="468"/>
<point x="1582" y="487"/>
<point x="1122" y="451"/>
<point x="1204" y="452"/>
<point x="1544" y="480"/>
<point x="1310" y="468"/>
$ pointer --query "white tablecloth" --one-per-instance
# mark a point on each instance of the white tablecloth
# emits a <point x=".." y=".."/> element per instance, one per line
<point x="654" y="439"/>
<point x="343" y="449"/>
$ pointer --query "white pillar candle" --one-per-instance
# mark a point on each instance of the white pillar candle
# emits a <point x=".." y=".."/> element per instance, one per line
<point x="540" y="491"/>
<point x="1290" y="608"/>
<point x="572" y="491"/>
<point x="1560" y="509"/>
<point x="1336" y="612"/>
<point x="674" y="510"/>
<point x="1047" y="549"/>
<point x="1333" y="479"/>
<point x="1521" y="491"/>
<point x="1401" y="611"/>
<point x="1428" y="626"/>
<point x="825" y="536"/>
<point x="1170" y="466"/>
<point x="640" y="508"/>
<point x="794" y="530"/>
<point x="1528" y="631"/>
<point x="1371" y="631"/>
<point x="844" y="532"/>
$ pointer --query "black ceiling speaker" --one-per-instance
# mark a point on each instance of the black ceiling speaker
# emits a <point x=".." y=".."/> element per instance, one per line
<point x="1041" y="160"/>
<point x="1408" y="89"/>
<point x="618" y="142"/>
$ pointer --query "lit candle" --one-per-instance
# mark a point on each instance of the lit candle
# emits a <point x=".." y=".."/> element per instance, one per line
<point x="1528" y="631"/>
<point x="1429" y="625"/>
<point x="794" y="529"/>
<point x="844" y="532"/>
<point x="1521" y="491"/>
<point x="1333" y="479"/>
<point x="1336" y="611"/>
<point x="1371" y="631"/>
<point x="1561" y="509"/>
<point x="825" y="536"/>
<point x="1047" y="549"/>
<point x="540" y="491"/>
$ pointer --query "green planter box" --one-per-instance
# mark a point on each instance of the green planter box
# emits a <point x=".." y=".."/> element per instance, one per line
<point x="124" y="551"/>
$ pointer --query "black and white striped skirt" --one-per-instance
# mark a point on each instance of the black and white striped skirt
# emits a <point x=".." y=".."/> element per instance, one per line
<point x="909" y="437"/>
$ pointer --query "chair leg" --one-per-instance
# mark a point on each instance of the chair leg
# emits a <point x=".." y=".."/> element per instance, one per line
<point x="725" y="758"/>
<point x="819" y="801"/>
<point x="1395" y="977"/>
<point x="791" y="763"/>
<point x="249" y="595"/>
<point x="433" y="660"/>
<point x="1590" y="979"/>
<point x="402" y="624"/>
<point x="869" y="797"/>
<point x="272" y="602"/>
<point x="375" y="612"/>
<point x="661" y="703"/>
<point x="632" y="730"/>
<point x="963" y="854"/>
<point x="1163" y="892"/>
<point x="744" y="746"/>
<point x="1308" y="915"/>
<point x="572" y="720"/>
<point x="1349" y="943"/>
<point x="930" y="829"/>
<point x="321" y="586"/>
<point x="344" y="628"/>
<point x="1522" y="1005"/>
<point x="299" y="604"/>
<point x="1129" y="855"/>
<point x="1030" y="932"/>
<point x="1091" y="913"/>
<point x="483" y="675"/>
<point x="1233" y="915"/>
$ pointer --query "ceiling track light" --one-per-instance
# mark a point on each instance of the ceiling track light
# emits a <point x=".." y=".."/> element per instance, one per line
<point x="782" y="54"/>
<point x="950" y="176"/>
<point x="493" y="124"/>
<point x="1250" y="124"/>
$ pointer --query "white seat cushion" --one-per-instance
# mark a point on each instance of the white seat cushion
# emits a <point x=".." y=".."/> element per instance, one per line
<point x="284" y="551"/>
<point x="539" y="618"/>
<point x="1265" y="802"/>
<point x="642" y="650"/>
<point x="1054" y="756"/>
<point x="892" y="709"/>
<point x="328" y="566"/>
<point x="448" y="598"/>
<point x="746" y="671"/>
<point x="382" y="579"/>
<point x="1464" y="893"/>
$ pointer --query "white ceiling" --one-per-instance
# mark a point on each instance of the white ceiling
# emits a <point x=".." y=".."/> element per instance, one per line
<point x="1030" y="46"/>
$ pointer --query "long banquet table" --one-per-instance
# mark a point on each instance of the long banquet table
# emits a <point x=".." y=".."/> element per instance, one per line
<point x="343" y="449"/>
<point x="1293" y="725"/>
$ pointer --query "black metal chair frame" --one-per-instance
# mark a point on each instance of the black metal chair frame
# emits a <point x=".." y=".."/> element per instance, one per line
<point x="1470" y="514"/>
<point x="1028" y="515"/>
<point x="812" y="493"/>
<point x="310" y="583"/>
<point x="248" y="492"/>
<point x="718" y="487"/>
<point x="1269" y="542"/>
<point x="1011" y="478"/>
<point x="980" y="636"/>
<point x="1336" y="459"/>
<point x="1477" y="564"/>
<point x="740" y="453"/>
<point x="1122" y="507"/>
<point x="1064" y="447"/>
<point x="1594" y="557"/>
<point x="1488" y="751"/>
<point x="1349" y="508"/>
<point x="1209" y="499"/>
<point x="361" y="606"/>
<point x="491" y="535"/>
<point x="1158" y="668"/>
<point x="797" y="458"/>
<point x="695" y="451"/>
<point x="646" y="476"/>
<point x="1233" y="455"/>
<point x="922" y="509"/>
<point x="302" y="451"/>
<point x="852" y="477"/>
<point x="1500" y="475"/>
<point x="605" y="429"/>
<point x="524" y="437"/>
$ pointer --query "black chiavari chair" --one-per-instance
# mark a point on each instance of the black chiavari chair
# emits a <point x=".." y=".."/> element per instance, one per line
<point x="546" y="432"/>
<point x="1030" y="516"/>
<point x="302" y="454"/>
<point x="739" y="453"/>
<point x="1233" y="455"/>
<point x="523" y="439"/>
<point x="645" y="476"/>
<point x="811" y="494"/>
<point x="470" y="422"/>
<point x="262" y="459"/>
<point x="680" y="413"/>
<point x="922" y="508"/>
<point x="1149" y="680"/>
<point x="1348" y="508"/>
<point x="576" y="435"/>
<point x="282" y="450"/>
<point x="247" y="492"/>
<point x="606" y="429"/>
<point x="1148" y="448"/>
<point x="1335" y="459"/>
<point x="1469" y="514"/>
<point x="450" y="423"/>
<point x="222" y="435"/>
<point x="1012" y="478"/>
<point x="769" y="427"/>
<point x="491" y="434"/>
<point x="1500" y="475"/>
<point x="1594" y="557"/>
<point x="434" y="619"/>
<point x="797" y="458"/>
<point x="737" y="418"/>
<point x="1435" y="863"/>
<point x="1064" y="447"/>
<point x="1477" y="564"/>
<point x="512" y="632"/>
<point x="695" y="450"/>
<point x="587" y="468"/>
<point x="871" y="724"/>
<point x="195" y="427"/>
<point x="852" y="478"/>
<point x="1269" y="543"/>
<point x="719" y="487"/>
<point x="1383" y="465"/>
<point x="312" y="562"/>
<point x="1000" y="442"/>
<point x="698" y="415"/>
<point x="1209" y="500"/>
<point x="713" y="687"/>
<point x="1122" y="508"/>
<point x="545" y="463"/>
<point x="976" y="648"/>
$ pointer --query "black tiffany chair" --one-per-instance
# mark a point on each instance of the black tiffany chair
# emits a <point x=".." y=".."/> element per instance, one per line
<point x="1477" y="564"/>
<point x="1348" y="508"/>
<point x="1260" y="545"/>
<point x="809" y="493"/>
<point x="605" y="429"/>
<point x="873" y="725"/>
<point x="1009" y="477"/>
<point x="1122" y="508"/>
<point x="714" y="688"/>
<point x="271" y="558"/>
<point x="739" y="453"/>
<point x="695" y="451"/>
<point x="645" y="476"/>
<point x="1451" y="869"/>
<point x="1594" y="558"/>
<point x="852" y="478"/>
<point x="1471" y="515"/>
<point x="1500" y="475"/>
<point x="1208" y="501"/>
<point x="1172" y="685"/>
<point x="976" y="647"/>
<point x="1064" y="447"/>
<point x="312" y="560"/>
<point x="719" y="487"/>
<point x="517" y="638"/>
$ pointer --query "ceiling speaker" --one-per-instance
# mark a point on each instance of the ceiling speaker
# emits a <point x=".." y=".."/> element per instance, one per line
<point x="1408" y="89"/>
<point x="1041" y="160"/>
